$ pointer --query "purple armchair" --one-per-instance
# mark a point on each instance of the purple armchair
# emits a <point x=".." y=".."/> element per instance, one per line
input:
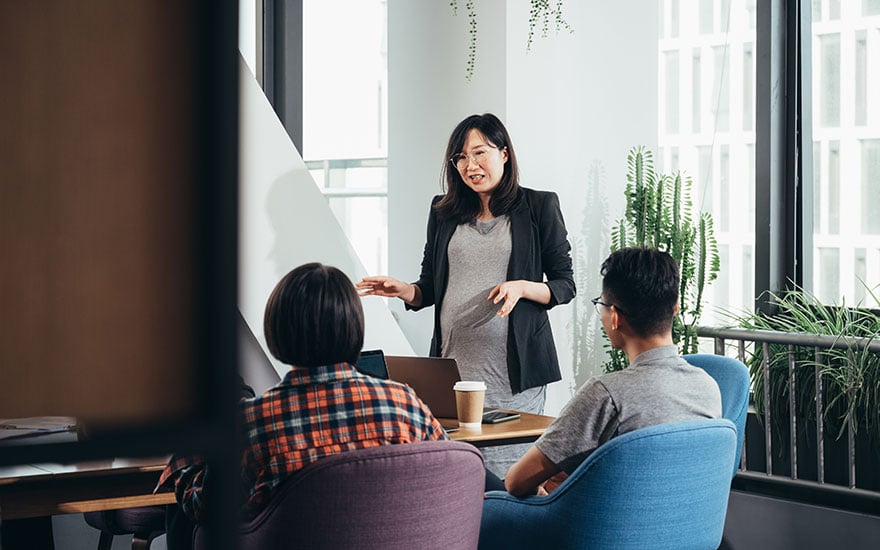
<point x="416" y="495"/>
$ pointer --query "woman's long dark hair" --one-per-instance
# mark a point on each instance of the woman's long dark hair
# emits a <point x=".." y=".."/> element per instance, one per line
<point x="460" y="202"/>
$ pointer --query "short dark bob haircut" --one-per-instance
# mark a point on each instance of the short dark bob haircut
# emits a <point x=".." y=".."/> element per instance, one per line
<point x="642" y="283"/>
<point x="314" y="317"/>
<point x="461" y="203"/>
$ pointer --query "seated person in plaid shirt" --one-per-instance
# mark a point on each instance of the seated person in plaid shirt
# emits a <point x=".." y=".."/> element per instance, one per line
<point x="313" y="322"/>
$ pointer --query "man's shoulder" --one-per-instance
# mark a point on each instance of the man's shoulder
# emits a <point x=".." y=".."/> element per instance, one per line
<point x="596" y="388"/>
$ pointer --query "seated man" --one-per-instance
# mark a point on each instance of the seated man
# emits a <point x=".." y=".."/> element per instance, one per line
<point x="313" y="322"/>
<point x="638" y="302"/>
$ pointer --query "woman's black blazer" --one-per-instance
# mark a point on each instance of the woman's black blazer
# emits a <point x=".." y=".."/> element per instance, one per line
<point x="539" y="246"/>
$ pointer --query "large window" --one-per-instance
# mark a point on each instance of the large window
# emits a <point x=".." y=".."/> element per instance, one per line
<point x="707" y="129"/>
<point x="846" y="150"/>
<point x="344" y="106"/>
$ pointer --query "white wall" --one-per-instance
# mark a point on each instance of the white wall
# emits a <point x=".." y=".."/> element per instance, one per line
<point x="427" y="97"/>
<point x="575" y="103"/>
<point x="578" y="101"/>
<point x="284" y="221"/>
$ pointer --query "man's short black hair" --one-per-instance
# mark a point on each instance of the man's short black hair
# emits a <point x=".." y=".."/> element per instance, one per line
<point x="314" y="317"/>
<point x="643" y="285"/>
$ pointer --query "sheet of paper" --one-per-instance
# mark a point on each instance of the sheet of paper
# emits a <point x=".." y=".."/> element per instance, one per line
<point x="36" y="425"/>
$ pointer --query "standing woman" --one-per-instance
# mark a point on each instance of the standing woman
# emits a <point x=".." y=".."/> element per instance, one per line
<point x="491" y="242"/>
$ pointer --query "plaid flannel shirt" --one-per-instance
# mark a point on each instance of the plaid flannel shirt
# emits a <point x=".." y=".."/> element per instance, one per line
<point x="310" y="414"/>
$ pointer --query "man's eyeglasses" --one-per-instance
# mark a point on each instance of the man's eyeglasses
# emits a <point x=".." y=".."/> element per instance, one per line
<point x="478" y="157"/>
<point x="597" y="301"/>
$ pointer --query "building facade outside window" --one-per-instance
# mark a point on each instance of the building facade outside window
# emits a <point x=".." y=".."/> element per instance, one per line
<point x="713" y="139"/>
<point x="710" y="51"/>
<point x="846" y="150"/>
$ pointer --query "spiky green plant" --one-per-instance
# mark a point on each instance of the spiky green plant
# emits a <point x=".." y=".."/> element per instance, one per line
<point x="659" y="214"/>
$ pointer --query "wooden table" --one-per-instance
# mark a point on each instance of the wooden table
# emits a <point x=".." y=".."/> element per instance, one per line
<point x="48" y="489"/>
<point x="34" y="490"/>
<point x="525" y="429"/>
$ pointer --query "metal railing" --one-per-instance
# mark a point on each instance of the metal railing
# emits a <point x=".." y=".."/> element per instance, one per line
<point x="818" y="491"/>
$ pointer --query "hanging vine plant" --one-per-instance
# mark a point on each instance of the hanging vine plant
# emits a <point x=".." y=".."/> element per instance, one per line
<point x="540" y="12"/>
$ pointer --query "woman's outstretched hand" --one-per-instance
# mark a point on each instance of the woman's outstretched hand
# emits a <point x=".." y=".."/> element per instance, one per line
<point x="388" y="287"/>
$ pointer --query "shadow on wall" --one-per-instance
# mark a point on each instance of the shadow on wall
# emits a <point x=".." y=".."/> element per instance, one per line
<point x="296" y="223"/>
<point x="589" y="247"/>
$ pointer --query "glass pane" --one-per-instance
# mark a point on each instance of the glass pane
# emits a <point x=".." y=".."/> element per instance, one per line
<point x="717" y="146"/>
<point x="829" y="80"/>
<point x="722" y="283"/>
<point x="707" y="16"/>
<point x="828" y="289"/>
<point x="696" y="85"/>
<point x="846" y="153"/>
<point x="345" y="117"/>
<point x="861" y="80"/>
<point x="748" y="275"/>
<point x="748" y="87"/>
<point x="818" y="218"/>
<point x="870" y="187"/>
<point x="870" y="7"/>
<point x="671" y="113"/>
<point x="833" y="200"/>
<point x="752" y="13"/>
<point x="345" y="90"/>
<point x="721" y="88"/>
<point x="861" y="273"/>
<point x="723" y="221"/>
<point x="833" y="9"/>
<point x="364" y="220"/>
<point x="703" y="170"/>
<point x="673" y="19"/>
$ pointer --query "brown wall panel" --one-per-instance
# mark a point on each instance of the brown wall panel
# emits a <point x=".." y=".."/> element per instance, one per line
<point x="97" y="209"/>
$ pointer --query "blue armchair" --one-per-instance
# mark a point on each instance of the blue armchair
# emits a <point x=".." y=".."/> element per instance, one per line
<point x="732" y="378"/>
<point x="664" y="486"/>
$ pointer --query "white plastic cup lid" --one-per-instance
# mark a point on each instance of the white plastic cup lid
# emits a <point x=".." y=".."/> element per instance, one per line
<point x="469" y="385"/>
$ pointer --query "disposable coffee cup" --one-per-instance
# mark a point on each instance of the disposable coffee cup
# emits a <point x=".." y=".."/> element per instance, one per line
<point x="469" y="396"/>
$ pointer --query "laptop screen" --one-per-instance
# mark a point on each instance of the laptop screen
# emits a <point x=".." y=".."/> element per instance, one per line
<point x="372" y="363"/>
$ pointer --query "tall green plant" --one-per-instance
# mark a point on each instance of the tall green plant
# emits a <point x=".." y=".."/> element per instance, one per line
<point x="659" y="214"/>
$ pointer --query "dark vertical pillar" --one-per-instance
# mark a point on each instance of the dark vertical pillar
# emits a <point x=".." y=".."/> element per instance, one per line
<point x="783" y="209"/>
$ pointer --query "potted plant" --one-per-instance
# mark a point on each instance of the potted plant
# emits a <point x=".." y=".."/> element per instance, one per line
<point x="850" y="385"/>
<point x="659" y="214"/>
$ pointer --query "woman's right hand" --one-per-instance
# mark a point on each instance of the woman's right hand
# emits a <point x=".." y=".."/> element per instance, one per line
<point x="388" y="287"/>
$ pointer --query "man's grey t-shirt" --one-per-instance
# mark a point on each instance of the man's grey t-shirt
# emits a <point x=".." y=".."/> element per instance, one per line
<point x="658" y="387"/>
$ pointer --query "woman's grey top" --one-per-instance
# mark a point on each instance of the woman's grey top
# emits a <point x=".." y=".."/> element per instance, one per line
<point x="472" y="332"/>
